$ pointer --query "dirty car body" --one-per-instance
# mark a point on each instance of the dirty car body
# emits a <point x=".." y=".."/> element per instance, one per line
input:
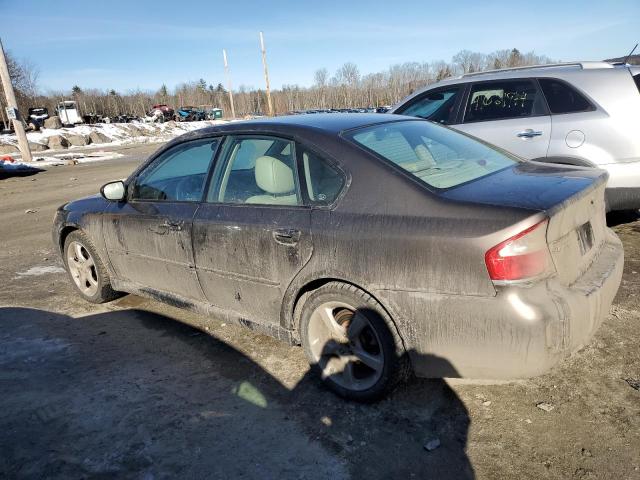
<point x="497" y="267"/>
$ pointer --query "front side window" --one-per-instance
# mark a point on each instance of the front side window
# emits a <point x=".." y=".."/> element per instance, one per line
<point x="323" y="181"/>
<point x="179" y="174"/>
<point x="504" y="99"/>
<point x="562" y="98"/>
<point x="440" y="157"/>
<point x="257" y="170"/>
<point x="435" y="106"/>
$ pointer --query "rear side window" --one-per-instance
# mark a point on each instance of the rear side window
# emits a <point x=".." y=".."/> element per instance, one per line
<point x="636" y="79"/>
<point x="435" y="106"/>
<point x="563" y="98"/>
<point x="323" y="181"/>
<point x="438" y="156"/>
<point x="256" y="170"/>
<point x="503" y="99"/>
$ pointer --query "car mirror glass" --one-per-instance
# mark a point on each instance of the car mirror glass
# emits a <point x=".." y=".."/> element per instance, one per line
<point x="114" y="191"/>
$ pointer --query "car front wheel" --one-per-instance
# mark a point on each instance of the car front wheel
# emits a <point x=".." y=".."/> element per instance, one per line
<point x="88" y="274"/>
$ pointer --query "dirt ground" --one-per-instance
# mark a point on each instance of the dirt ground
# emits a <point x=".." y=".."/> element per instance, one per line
<point x="136" y="389"/>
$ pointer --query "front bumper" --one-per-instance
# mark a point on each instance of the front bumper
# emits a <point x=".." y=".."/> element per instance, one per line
<point x="520" y="332"/>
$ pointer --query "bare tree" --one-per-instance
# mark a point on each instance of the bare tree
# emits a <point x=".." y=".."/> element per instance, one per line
<point x="347" y="88"/>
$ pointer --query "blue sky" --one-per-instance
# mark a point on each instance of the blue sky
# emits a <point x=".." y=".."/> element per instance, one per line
<point x="141" y="44"/>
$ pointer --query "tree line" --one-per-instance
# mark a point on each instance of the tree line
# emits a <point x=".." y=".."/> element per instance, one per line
<point x="346" y="88"/>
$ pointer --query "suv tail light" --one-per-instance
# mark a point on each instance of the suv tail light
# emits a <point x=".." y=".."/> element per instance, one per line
<point x="521" y="257"/>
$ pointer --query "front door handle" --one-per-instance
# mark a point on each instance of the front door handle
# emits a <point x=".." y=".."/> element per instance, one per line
<point x="529" y="133"/>
<point x="173" y="226"/>
<point x="166" y="227"/>
<point x="286" y="236"/>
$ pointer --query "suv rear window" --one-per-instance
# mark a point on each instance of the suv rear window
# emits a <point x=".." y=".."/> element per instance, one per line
<point x="563" y="98"/>
<point x="503" y="99"/>
<point x="440" y="157"/>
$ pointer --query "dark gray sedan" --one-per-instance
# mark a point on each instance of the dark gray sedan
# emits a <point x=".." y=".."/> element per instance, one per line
<point x="383" y="244"/>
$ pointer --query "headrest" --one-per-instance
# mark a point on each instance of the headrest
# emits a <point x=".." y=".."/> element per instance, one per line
<point x="273" y="176"/>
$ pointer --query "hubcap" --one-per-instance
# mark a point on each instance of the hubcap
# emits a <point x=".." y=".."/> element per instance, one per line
<point x="82" y="268"/>
<point x="345" y="346"/>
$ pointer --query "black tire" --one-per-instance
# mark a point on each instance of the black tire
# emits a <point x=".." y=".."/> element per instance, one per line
<point x="104" y="292"/>
<point x="396" y="365"/>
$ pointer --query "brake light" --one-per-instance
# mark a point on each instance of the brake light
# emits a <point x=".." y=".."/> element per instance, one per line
<point x="523" y="256"/>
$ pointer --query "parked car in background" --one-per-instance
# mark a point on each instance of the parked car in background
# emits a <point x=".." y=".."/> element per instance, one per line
<point x="160" y="113"/>
<point x="584" y="114"/>
<point x="68" y="113"/>
<point x="211" y="112"/>
<point x="383" y="244"/>
<point x="93" y="118"/>
<point x="189" y="114"/>
<point x="36" y="117"/>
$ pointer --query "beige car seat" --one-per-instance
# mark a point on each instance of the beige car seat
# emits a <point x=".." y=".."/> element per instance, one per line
<point x="276" y="179"/>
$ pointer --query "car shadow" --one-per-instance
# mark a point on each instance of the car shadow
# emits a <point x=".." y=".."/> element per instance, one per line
<point x="135" y="394"/>
<point x="23" y="172"/>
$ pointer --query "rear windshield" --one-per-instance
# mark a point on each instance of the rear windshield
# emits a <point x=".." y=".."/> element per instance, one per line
<point x="436" y="155"/>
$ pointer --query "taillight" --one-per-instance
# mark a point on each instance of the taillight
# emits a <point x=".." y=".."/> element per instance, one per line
<point x="521" y="257"/>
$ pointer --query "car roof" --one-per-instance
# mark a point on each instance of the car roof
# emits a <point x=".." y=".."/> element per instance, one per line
<point x="330" y="123"/>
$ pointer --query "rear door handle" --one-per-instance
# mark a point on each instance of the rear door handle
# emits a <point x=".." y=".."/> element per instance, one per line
<point x="528" y="133"/>
<point x="286" y="236"/>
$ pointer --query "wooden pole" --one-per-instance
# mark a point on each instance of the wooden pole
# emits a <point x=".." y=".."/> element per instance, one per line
<point x="266" y="74"/>
<point x="23" y="143"/>
<point x="228" y="75"/>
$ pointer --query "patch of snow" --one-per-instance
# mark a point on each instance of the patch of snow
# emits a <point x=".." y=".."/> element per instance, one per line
<point x="40" y="270"/>
<point x="118" y="133"/>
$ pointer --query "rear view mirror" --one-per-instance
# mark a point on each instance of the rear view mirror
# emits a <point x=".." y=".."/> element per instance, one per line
<point x="114" y="191"/>
<point x="435" y="96"/>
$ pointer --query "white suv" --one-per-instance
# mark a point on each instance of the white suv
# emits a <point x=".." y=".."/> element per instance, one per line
<point x="585" y="114"/>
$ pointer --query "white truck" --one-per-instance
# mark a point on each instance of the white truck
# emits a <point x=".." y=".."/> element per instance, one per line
<point x="68" y="112"/>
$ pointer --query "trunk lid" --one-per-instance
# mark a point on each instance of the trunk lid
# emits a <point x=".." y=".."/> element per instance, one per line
<point x="571" y="197"/>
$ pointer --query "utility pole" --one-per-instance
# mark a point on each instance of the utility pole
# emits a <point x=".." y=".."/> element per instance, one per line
<point x="266" y="74"/>
<point x="228" y="75"/>
<point x="12" y="107"/>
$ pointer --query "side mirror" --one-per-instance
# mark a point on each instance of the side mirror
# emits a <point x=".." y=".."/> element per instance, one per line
<point x="114" y="191"/>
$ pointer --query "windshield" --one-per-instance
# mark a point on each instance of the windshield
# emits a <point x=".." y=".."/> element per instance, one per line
<point x="436" y="155"/>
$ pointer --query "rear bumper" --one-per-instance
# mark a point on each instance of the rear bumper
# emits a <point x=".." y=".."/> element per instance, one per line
<point x="521" y="332"/>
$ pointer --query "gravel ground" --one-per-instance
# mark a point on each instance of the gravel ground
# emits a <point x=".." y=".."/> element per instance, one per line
<point x="136" y="389"/>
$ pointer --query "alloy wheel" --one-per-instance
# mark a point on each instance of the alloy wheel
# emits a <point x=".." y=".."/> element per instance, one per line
<point x="345" y="345"/>
<point x="82" y="268"/>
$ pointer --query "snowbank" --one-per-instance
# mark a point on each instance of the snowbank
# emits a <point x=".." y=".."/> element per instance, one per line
<point x="57" y="139"/>
<point x="43" y="161"/>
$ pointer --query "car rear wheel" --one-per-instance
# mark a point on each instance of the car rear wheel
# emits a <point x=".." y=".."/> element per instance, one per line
<point x="351" y="342"/>
<point x="88" y="274"/>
